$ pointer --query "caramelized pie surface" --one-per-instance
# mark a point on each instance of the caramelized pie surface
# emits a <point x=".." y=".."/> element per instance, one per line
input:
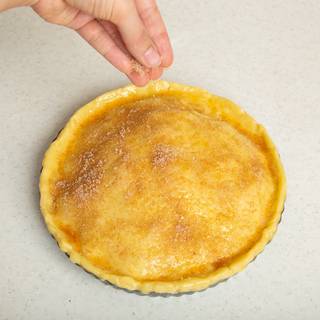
<point x="161" y="187"/>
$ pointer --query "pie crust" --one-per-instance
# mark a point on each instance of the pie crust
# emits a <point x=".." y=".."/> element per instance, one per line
<point x="165" y="188"/>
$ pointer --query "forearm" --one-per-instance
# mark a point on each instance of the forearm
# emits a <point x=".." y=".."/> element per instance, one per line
<point x="8" y="4"/>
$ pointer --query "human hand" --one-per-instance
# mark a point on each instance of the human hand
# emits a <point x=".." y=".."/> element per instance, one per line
<point x="128" y="33"/>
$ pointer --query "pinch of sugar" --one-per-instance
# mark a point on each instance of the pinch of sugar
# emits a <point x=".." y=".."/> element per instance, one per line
<point x="138" y="68"/>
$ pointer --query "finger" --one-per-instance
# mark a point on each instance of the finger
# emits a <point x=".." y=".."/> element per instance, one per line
<point x="137" y="79"/>
<point x="151" y="74"/>
<point x="155" y="26"/>
<point x="125" y="15"/>
<point x="156" y="73"/>
<point x="134" y="34"/>
<point x="114" y="33"/>
<point x="94" y="33"/>
<point x="79" y="20"/>
<point x="138" y="73"/>
<point x="98" y="38"/>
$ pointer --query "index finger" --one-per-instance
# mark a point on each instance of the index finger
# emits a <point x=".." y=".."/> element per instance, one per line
<point x="151" y="17"/>
<point x="96" y="35"/>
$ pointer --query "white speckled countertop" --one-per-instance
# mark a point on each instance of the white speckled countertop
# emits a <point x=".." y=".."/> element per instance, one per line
<point x="264" y="55"/>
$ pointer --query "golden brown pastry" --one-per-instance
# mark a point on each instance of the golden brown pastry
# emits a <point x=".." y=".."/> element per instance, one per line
<point x="165" y="188"/>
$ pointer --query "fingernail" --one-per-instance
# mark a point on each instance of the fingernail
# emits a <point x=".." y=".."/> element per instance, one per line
<point x="152" y="57"/>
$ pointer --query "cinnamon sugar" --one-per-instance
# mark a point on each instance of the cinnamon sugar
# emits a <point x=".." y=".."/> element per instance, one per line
<point x="137" y="67"/>
<point x="162" y="155"/>
<point x="84" y="183"/>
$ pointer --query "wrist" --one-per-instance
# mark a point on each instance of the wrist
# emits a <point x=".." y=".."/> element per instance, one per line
<point x="8" y="4"/>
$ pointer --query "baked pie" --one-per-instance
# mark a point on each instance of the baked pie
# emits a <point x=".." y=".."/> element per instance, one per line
<point x="165" y="188"/>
